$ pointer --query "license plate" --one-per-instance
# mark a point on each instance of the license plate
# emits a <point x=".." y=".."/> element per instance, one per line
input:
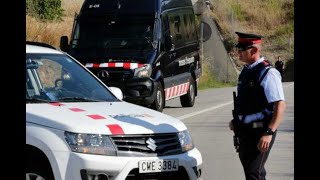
<point x="158" y="165"/>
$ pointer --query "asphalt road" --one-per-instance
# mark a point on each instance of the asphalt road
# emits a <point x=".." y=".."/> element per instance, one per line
<point x="208" y="123"/>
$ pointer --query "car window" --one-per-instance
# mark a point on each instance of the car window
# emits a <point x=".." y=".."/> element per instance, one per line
<point x="49" y="72"/>
<point x="59" y="78"/>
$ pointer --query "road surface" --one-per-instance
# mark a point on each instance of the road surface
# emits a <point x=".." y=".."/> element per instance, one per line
<point x="208" y="123"/>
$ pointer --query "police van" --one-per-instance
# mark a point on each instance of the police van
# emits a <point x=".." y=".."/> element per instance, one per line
<point x="77" y="128"/>
<point x="147" y="48"/>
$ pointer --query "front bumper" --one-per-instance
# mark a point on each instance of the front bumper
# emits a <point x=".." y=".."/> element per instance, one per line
<point x="87" y="167"/>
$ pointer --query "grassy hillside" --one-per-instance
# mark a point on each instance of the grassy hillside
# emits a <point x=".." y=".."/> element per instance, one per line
<point x="274" y="19"/>
<point x="50" y="32"/>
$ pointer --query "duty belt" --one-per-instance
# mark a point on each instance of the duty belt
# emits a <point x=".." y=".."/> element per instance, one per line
<point x="257" y="124"/>
<point x="253" y="125"/>
<point x="246" y="119"/>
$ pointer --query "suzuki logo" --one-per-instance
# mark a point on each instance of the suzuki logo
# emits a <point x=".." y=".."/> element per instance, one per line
<point x="103" y="74"/>
<point x="151" y="144"/>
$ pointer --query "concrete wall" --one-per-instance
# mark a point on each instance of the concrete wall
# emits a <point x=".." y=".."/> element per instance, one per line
<point x="214" y="52"/>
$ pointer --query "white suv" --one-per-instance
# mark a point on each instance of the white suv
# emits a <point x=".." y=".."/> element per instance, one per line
<point x="79" y="129"/>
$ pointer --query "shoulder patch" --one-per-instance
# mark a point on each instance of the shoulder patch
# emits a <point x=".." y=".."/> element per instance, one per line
<point x="266" y="62"/>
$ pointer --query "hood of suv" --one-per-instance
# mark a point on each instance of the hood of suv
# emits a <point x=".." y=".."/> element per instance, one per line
<point x="102" y="118"/>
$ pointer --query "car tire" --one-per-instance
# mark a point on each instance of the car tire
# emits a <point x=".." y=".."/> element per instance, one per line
<point x="188" y="99"/>
<point x="39" y="171"/>
<point x="159" y="102"/>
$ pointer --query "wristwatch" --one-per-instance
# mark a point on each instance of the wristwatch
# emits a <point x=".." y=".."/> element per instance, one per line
<point x="269" y="132"/>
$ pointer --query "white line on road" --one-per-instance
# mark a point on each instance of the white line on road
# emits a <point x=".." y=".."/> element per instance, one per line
<point x="213" y="108"/>
<point x="205" y="110"/>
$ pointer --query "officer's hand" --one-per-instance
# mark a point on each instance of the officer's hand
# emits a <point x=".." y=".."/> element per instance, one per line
<point x="231" y="125"/>
<point x="264" y="143"/>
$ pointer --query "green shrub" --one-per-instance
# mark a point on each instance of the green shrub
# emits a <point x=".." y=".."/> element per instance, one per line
<point x="229" y="42"/>
<point x="285" y="29"/>
<point x="238" y="11"/>
<point x="208" y="80"/>
<point x="45" y="9"/>
<point x="275" y="5"/>
<point x="288" y="7"/>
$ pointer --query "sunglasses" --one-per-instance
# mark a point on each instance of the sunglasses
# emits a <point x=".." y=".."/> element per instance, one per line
<point x="244" y="48"/>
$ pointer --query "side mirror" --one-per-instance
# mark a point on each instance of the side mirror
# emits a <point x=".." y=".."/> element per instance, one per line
<point x="64" y="43"/>
<point x="168" y="43"/>
<point x="117" y="92"/>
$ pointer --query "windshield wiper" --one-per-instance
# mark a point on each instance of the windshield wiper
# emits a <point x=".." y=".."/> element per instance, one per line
<point x="36" y="100"/>
<point x="77" y="99"/>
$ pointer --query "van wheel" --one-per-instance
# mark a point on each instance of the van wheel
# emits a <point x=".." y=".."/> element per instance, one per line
<point x="188" y="99"/>
<point x="158" y="103"/>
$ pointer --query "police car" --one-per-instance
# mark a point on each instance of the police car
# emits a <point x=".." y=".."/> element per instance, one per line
<point x="78" y="128"/>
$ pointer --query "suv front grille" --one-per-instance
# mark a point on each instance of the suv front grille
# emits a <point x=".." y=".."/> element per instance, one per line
<point x="166" y="144"/>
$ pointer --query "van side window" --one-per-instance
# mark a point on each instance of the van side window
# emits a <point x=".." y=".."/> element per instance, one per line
<point x="193" y="28"/>
<point x="187" y="27"/>
<point x="175" y="28"/>
<point x="165" y="25"/>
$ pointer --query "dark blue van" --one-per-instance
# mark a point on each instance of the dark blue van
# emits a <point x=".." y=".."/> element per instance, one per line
<point x="147" y="48"/>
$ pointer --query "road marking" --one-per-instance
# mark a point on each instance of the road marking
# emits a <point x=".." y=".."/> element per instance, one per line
<point x="213" y="108"/>
<point x="205" y="110"/>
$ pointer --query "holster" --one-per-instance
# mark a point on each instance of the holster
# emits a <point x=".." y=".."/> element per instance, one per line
<point x="236" y="142"/>
<point x="235" y="123"/>
<point x="236" y="137"/>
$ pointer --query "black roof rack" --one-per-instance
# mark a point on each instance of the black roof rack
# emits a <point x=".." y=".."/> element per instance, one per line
<point x="40" y="44"/>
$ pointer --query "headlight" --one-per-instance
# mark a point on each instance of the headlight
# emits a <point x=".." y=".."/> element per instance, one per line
<point x="185" y="141"/>
<point x="144" y="71"/>
<point x="90" y="143"/>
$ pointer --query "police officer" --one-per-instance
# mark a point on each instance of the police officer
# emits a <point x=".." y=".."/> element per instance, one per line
<point x="279" y="65"/>
<point x="260" y="106"/>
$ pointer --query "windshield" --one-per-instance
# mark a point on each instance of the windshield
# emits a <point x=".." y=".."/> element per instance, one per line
<point x="58" y="78"/>
<point x="115" y="33"/>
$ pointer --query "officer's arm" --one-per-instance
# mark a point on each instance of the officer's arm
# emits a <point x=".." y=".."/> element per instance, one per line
<point x="279" y="108"/>
<point x="274" y="92"/>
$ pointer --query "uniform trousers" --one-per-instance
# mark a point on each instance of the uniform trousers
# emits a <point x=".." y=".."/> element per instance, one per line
<point x="251" y="158"/>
